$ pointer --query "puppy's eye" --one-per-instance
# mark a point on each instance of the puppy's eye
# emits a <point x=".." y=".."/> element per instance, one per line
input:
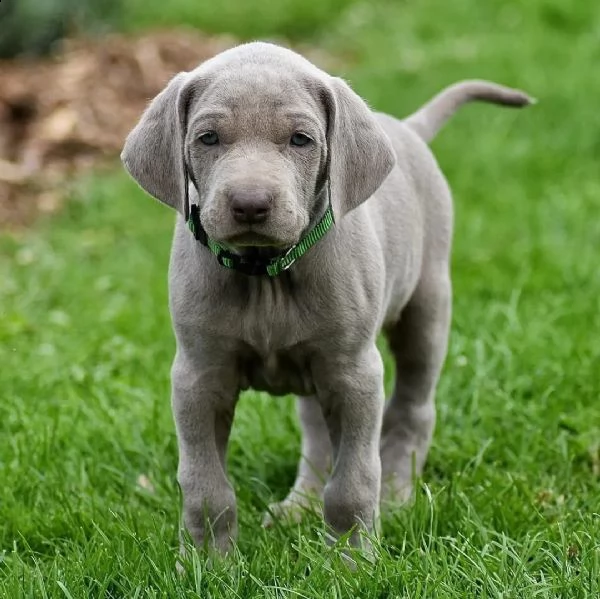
<point x="210" y="138"/>
<point x="300" y="139"/>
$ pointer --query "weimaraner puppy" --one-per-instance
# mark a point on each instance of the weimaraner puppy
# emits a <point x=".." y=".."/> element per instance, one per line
<point x="307" y="224"/>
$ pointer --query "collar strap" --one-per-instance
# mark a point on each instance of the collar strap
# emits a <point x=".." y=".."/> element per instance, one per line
<point x="255" y="265"/>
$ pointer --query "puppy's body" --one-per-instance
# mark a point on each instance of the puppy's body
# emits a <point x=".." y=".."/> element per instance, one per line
<point x="353" y="283"/>
<point x="311" y="330"/>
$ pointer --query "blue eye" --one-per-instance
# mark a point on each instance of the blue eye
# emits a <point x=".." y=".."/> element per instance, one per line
<point x="300" y="139"/>
<point x="210" y="138"/>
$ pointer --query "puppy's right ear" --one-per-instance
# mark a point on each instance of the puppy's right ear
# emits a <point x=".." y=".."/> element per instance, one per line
<point x="153" y="151"/>
<point x="360" y="153"/>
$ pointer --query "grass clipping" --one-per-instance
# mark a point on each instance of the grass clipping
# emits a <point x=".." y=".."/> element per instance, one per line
<point x="73" y="111"/>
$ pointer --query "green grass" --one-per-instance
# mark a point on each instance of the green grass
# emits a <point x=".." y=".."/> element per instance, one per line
<point x="510" y="499"/>
<point x="290" y="18"/>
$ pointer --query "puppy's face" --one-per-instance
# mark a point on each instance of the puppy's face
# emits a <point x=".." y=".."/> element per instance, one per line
<point x="256" y="147"/>
<point x="263" y="134"/>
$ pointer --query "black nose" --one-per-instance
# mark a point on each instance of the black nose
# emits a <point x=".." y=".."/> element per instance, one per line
<point x="250" y="206"/>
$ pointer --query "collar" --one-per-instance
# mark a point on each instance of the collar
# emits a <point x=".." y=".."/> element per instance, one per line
<point x="256" y="265"/>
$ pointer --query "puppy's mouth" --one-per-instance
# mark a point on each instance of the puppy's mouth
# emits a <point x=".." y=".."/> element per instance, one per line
<point x="252" y="239"/>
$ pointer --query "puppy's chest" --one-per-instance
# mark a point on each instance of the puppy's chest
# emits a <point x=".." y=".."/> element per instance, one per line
<point x="276" y="330"/>
<point x="264" y="314"/>
<point x="277" y="372"/>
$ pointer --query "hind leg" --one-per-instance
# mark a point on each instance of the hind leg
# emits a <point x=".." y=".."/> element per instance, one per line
<point x="314" y="465"/>
<point x="418" y="343"/>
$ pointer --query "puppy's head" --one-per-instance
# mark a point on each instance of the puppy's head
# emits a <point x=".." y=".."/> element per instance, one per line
<point x="259" y="131"/>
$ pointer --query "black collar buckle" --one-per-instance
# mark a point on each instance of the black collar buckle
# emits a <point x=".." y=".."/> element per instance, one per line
<point x="247" y="265"/>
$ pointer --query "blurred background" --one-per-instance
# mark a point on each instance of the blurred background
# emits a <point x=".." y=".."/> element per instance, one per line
<point x="87" y="446"/>
<point x="74" y="61"/>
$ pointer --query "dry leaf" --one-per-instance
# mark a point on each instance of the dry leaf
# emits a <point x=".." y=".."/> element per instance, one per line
<point x="144" y="482"/>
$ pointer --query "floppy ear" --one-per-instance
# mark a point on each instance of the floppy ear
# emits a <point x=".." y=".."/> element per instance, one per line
<point x="153" y="151"/>
<point x="361" y="155"/>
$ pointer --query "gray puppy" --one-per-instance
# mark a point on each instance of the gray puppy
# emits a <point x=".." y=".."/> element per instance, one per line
<point x="315" y="224"/>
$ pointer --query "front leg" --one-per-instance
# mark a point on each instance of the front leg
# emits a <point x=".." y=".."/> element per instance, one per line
<point x="351" y="394"/>
<point x="204" y="398"/>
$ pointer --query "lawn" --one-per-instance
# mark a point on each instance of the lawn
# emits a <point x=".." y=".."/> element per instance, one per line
<point x="509" y="503"/>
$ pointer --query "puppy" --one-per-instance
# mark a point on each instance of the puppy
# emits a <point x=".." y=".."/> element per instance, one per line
<point x="307" y="224"/>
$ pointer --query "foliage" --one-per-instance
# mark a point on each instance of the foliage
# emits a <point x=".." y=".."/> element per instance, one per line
<point x="33" y="28"/>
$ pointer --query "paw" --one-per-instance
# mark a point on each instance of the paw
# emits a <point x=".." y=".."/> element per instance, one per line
<point x="396" y="491"/>
<point x="292" y="510"/>
<point x="191" y="559"/>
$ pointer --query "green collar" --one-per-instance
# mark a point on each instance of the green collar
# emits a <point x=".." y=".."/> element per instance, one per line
<point x="255" y="265"/>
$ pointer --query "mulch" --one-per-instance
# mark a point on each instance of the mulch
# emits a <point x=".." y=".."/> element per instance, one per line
<point x="71" y="112"/>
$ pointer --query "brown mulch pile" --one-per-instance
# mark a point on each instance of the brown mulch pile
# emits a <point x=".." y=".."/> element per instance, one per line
<point x="74" y="111"/>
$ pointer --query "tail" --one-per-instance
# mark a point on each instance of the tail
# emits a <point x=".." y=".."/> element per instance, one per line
<point x="430" y="118"/>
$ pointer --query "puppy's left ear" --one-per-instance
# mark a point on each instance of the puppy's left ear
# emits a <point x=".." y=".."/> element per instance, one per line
<point x="361" y="155"/>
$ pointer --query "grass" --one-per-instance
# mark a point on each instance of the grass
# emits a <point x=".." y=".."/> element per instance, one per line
<point x="255" y="19"/>
<point x="510" y="499"/>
